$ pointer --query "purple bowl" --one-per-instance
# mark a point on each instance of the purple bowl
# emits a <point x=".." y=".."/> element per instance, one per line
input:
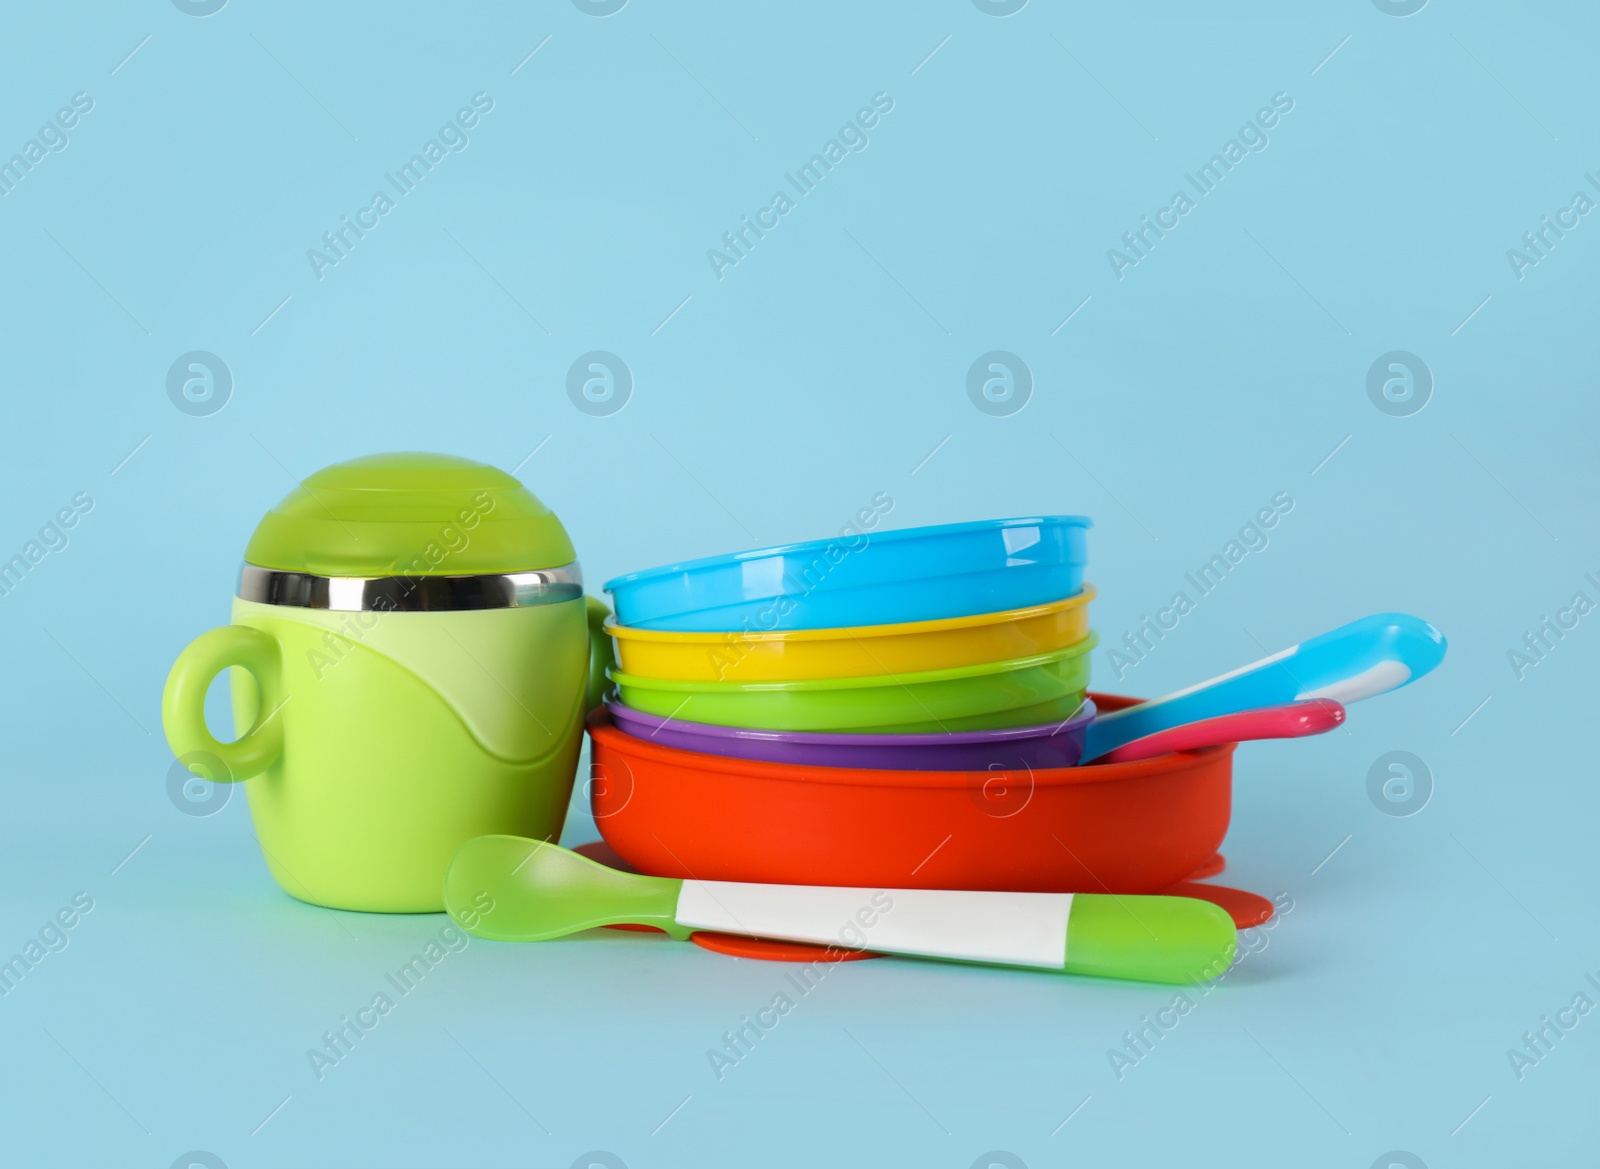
<point x="1057" y="744"/>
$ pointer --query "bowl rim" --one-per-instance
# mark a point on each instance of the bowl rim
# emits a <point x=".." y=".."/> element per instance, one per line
<point x="891" y="534"/>
<point x="1177" y="763"/>
<point x="1078" y="720"/>
<point x="687" y="637"/>
<point x="1080" y="648"/>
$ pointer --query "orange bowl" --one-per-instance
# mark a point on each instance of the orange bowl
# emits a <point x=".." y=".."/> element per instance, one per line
<point x="1136" y="827"/>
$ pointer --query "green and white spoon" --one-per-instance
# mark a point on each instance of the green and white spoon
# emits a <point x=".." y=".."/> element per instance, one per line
<point x="512" y="889"/>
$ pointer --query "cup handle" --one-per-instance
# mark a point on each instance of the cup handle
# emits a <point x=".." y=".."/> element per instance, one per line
<point x="601" y="656"/>
<point x="183" y="701"/>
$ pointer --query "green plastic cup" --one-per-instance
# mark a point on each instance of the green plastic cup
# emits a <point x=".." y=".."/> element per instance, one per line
<point x="412" y="656"/>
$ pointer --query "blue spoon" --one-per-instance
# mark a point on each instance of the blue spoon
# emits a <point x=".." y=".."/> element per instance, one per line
<point x="1370" y="656"/>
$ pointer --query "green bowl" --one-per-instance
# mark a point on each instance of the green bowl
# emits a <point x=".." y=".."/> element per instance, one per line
<point x="1016" y="693"/>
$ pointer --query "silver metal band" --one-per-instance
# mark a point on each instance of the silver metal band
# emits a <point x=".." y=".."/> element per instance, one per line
<point x="410" y="594"/>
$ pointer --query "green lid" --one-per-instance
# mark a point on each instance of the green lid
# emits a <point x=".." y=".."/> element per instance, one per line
<point x="409" y="514"/>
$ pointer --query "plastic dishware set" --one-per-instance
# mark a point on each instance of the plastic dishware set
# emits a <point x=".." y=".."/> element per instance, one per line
<point x="881" y="743"/>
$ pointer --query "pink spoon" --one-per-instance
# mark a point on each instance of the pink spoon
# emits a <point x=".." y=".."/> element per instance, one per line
<point x="1311" y="717"/>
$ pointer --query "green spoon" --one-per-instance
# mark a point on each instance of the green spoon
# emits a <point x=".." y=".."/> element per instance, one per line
<point x="512" y="889"/>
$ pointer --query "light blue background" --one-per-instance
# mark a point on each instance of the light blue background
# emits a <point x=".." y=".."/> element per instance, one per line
<point x="821" y="370"/>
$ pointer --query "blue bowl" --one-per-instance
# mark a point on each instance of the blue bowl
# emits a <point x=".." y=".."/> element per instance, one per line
<point x="877" y="578"/>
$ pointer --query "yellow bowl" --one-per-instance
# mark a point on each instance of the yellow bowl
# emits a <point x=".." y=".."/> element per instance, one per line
<point x="856" y="651"/>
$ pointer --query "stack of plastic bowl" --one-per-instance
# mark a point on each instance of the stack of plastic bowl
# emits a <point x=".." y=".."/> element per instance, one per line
<point x="878" y="710"/>
<point x="907" y="648"/>
<point x="900" y="710"/>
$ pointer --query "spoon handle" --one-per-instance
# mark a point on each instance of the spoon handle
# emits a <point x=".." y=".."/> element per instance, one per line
<point x="1148" y="938"/>
<point x="1355" y="661"/>
<point x="1312" y="717"/>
